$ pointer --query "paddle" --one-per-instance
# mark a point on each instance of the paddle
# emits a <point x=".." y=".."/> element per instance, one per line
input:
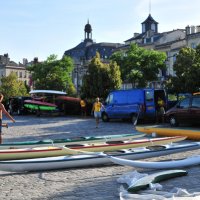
<point x="135" y="122"/>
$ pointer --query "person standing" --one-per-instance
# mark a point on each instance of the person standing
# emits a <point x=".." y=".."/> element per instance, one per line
<point x="83" y="107"/>
<point x="3" y="111"/>
<point x="160" y="110"/>
<point x="97" y="106"/>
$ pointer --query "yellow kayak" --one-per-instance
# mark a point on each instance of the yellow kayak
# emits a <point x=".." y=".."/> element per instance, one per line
<point x="193" y="134"/>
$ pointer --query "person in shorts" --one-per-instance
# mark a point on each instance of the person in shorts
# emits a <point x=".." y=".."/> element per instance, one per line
<point x="160" y="111"/>
<point x="3" y="111"/>
<point x="97" y="106"/>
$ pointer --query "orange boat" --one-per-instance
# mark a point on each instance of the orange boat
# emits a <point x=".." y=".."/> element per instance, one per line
<point x="193" y="134"/>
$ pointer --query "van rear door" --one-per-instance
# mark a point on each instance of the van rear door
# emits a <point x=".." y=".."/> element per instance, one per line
<point x="150" y="109"/>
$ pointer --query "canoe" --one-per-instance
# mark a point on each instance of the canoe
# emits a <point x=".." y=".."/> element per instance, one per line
<point x="89" y="160"/>
<point x="39" y="105"/>
<point x="145" y="181"/>
<point x="67" y="98"/>
<point x="190" y="161"/>
<point x="193" y="134"/>
<point x="112" y="146"/>
<point x="38" y="152"/>
<point x="73" y="140"/>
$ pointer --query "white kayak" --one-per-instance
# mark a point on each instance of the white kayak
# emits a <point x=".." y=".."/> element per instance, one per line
<point x="190" y="161"/>
<point x="93" y="159"/>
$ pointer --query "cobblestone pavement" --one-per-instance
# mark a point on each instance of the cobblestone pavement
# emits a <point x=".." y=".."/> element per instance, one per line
<point x="75" y="184"/>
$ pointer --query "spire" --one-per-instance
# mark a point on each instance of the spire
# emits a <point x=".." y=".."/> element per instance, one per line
<point x="88" y="31"/>
<point x="149" y="7"/>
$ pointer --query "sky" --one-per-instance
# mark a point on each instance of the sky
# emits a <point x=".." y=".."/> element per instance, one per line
<point x="39" y="28"/>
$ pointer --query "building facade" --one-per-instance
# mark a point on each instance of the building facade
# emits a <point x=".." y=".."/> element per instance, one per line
<point x="85" y="51"/>
<point x="7" y="67"/>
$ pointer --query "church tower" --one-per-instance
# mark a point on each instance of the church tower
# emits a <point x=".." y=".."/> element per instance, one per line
<point x="88" y="32"/>
<point x="149" y="25"/>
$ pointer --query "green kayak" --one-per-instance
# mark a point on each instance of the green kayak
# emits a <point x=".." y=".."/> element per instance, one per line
<point x="39" y="107"/>
<point x="74" y="140"/>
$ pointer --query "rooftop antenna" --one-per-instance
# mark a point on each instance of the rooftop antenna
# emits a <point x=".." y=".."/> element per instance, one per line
<point x="149" y="6"/>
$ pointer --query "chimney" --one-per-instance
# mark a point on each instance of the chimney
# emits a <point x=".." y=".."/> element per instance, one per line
<point x="192" y="29"/>
<point x="25" y="61"/>
<point x="187" y="28"/>
<point x="135" y="34"/>
<point x="197" y="29"/>
<point x="35" y="60"/>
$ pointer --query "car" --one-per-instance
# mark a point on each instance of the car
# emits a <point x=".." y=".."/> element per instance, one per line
<point x="186" y="110"/>
<point x="16" y="105"/>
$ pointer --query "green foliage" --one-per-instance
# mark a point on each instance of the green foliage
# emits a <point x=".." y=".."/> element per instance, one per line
<point x="139" y="65"/>
<point x="187" y="67"/>
<point x="53" y="74"/>
<point x="11" y="86"/>
<point x="100" y="79"/>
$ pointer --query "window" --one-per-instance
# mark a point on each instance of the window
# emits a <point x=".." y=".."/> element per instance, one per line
<point x="193" y="45"/>
<point x="185" y="103"/>
<point x="109" y="99"/>
<point x="196" y="102"/>
<point x="153" y="27"/>
<point x="149" y="95"/>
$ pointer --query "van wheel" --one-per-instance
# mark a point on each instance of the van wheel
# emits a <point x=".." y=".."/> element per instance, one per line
<point x="173" y="121"/>
<point x="133" y="118"/>
<point x="104" y="117"/>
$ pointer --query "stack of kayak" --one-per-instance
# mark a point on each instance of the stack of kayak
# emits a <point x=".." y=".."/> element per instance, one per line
<point x="86" y="151"/>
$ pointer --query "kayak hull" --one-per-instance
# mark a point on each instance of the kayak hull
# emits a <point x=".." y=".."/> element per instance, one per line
<point x="167" y="131"/>
<point x="38" y="152"/>
<point x="77" y="161"/>
<point x="74" y="140"/>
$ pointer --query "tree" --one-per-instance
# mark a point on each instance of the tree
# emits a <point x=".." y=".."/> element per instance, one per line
<point x="11" y="86"/>
<point x="134" y="77"/>
<point x="187" y="68"/>
<point x="100" y="79"/>
<point x="53" y="74"/>
<point x="146" y="63"/>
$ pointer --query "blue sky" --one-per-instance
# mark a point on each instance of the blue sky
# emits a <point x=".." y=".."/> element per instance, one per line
<point x="39" y="28"/>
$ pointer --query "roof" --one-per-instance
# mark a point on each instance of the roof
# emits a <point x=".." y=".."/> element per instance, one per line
<point x="149" y="19"/>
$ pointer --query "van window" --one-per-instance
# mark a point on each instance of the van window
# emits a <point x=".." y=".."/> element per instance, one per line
<point x="149" y="95"/>
<point x="185" y="103"/>
<point x="109" y="99"/>
<point x="196" y="102"/>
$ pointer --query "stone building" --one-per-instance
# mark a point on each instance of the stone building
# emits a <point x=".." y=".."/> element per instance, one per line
<point x="7" y="66"/>
<point x="169" y="42"/>
<point x="85" y="51"/>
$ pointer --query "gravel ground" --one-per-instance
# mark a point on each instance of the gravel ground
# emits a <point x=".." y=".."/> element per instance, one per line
<point x="75" y="184"/>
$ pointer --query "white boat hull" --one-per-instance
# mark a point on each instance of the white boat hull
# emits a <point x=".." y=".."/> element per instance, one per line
<point x="63" y="162"/>
<point x="190" y="161"/>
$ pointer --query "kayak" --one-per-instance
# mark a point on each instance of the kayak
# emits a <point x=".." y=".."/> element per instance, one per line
<point x="190" y="161"/>
<point x="39" y="105"/>
<point x="67" y="98"/>
<point x="112" y="146"/>
<point x="88" y="160"/>
<point x="144" y="182"/>
<point x="193" y="134"/>
<point x="38" y="152"/>
<point x="73" y="140"/>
